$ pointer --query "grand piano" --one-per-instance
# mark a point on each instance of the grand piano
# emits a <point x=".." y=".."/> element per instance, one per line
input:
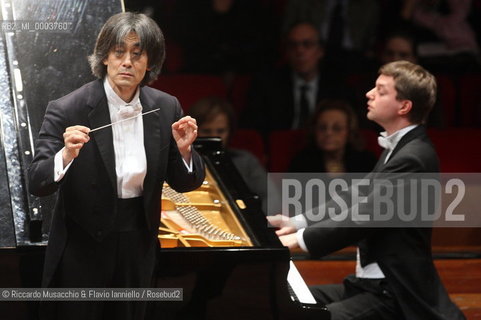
<point x="216" y="244"/>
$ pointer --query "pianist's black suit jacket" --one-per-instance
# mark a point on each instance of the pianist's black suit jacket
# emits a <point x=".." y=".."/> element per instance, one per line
<point x="88" y="191"/>
<point x="403" y="254"/>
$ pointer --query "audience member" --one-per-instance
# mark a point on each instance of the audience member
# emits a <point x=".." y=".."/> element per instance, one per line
<point x="456" y="48"/>
<point x="284" y="98"/>
<point x="347" y="27"/>
<point x="399" y="45"/>
<point x="215" y="118"/>
<point x="334" y="142"/>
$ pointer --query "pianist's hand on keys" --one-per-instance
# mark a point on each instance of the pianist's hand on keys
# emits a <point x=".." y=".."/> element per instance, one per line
<point x="282" y="222"/>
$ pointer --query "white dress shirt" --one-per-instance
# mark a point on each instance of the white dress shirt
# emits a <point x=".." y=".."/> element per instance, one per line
<point x="372" y="270"/>
<point x="128" y="139"/>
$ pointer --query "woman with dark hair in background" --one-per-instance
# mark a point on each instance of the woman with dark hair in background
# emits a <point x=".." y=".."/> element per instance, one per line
<point x="334" y="144"/>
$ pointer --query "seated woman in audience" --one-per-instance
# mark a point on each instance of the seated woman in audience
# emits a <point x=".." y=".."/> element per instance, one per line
<point x="334" y="144"/>
<point x="215" y="118"/>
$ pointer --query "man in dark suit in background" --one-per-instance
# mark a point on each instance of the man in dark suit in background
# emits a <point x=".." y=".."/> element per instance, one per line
<point x="105" y="225"/>
<point x="285" y="97"/>
<point x="395" y="275"/>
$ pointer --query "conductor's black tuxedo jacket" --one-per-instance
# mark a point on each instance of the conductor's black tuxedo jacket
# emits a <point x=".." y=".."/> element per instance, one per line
<point x="88" y="192"/>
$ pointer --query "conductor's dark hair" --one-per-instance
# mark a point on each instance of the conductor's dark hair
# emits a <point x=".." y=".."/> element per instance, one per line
<point x="113" y="33"/>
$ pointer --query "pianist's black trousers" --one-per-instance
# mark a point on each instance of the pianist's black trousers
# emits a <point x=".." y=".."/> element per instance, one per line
<point x="124" y="259"/>
<point x="358" y="299"/>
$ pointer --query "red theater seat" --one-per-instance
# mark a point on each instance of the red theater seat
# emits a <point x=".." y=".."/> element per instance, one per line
<point x="189" y="88"/>
<point x="249" y="140"/>
<point x="370" y="141"/>
<point x="458" y="149"/>
<point x="238" y="92"/>
<point x="283" y="146"/>
<point x="174" y="59"/>
<point x="446" y="100"/>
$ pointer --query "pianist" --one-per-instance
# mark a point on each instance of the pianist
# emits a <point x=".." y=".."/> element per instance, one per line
<point x="395" y="275"/>
<point x="105" y="225"/>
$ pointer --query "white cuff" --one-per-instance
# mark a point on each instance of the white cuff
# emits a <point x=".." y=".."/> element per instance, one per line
<point x="59" y="170"/>
<point x="298" y="221"/>
<point x="188" y="165"/>
<point x="300" y="239"/>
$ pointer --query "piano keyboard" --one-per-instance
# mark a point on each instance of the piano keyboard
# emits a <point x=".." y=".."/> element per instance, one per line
<point x="297" y="287"/>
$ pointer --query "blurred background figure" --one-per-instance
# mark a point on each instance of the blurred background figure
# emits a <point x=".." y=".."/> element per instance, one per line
<point x="399" y="45"/>
<point x="334" y="144"/>
<point x="284" y="98"/>
<point x="222" y="36"/>
<point x="453" y="45"/>
<point x="347" y="27"/>
<point x="215" y="118"/>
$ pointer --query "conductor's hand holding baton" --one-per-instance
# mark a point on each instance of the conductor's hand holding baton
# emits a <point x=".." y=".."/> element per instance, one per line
<point x="74" y="139"/>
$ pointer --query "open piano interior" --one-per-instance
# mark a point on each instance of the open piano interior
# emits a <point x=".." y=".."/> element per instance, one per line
<point x="200" y="218"/>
